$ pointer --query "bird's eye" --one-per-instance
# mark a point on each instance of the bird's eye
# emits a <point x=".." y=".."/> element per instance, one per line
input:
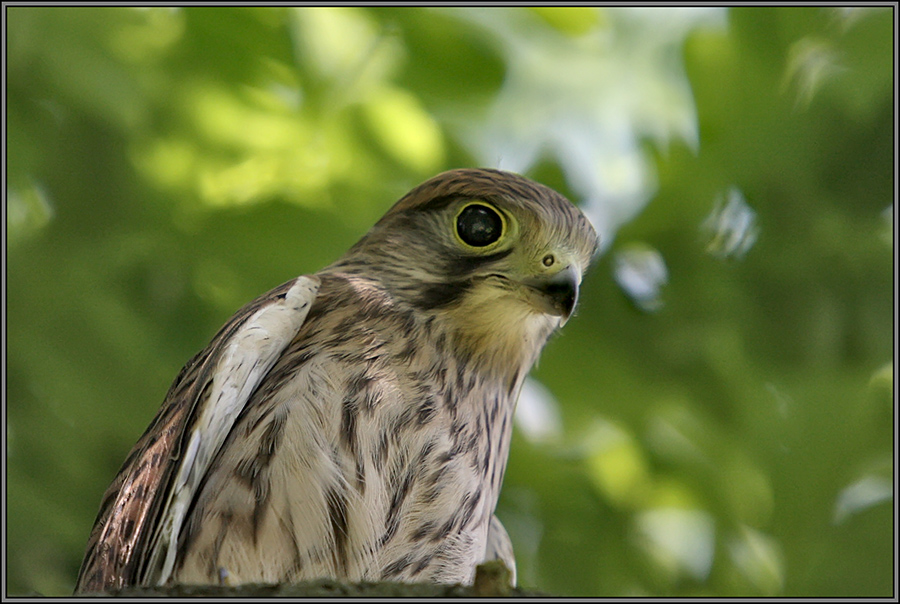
<point x="479" y="225"/>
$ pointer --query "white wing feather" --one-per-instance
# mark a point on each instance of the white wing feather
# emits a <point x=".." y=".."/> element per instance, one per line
<point x="251" y="352"/>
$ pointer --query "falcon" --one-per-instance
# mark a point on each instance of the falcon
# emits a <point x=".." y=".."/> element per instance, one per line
<point x="355" y="423"/>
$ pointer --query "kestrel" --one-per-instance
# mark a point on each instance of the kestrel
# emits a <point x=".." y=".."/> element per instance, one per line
<point x="355" y="423"/>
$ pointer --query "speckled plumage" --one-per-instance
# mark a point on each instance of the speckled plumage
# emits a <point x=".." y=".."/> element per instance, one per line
<point x="354" y="423"/>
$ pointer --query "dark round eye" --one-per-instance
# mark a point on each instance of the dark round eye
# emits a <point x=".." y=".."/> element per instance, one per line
<point x="479" y="225"/>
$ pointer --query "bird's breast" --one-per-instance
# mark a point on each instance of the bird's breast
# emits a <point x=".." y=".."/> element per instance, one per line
<point x="369" y="452"/>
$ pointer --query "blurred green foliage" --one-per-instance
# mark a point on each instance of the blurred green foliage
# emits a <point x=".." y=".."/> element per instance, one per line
<point x="728" y="433"/>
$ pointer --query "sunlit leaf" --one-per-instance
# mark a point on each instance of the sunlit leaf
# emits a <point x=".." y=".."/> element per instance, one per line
<point x="537" y="413"/>
<point x="406" y="131"/>
<point x="571" y="20"/>
<point x="617" y="465"/>
<point x="641" y="273"/>
<point x="866" y="492"/>
<point x="759" y="559"/>
<point x="731" y="227"/>
<point x="27" y="211"/>
<point x="679" y="541"/>
<point x="811" y="62"/>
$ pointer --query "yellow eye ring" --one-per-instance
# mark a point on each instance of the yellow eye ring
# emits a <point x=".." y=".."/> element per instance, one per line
<point x="479" y="225"/>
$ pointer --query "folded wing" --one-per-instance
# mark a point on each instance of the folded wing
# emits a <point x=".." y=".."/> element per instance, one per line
<point x="135" y="534"/>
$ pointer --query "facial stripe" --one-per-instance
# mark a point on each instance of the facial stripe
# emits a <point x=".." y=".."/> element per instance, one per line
<point x="442" y="294"/>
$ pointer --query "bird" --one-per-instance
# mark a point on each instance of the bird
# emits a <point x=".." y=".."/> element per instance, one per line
<point x="355" y="423"/>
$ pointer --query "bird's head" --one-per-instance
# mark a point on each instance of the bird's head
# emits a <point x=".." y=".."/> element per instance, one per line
<point x="495" y="256"/>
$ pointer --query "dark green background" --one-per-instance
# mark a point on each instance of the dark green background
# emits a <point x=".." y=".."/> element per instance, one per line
<point x="167" y="165"/>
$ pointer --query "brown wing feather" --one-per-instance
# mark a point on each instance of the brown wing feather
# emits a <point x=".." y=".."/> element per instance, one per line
<point x="117" y="549"/>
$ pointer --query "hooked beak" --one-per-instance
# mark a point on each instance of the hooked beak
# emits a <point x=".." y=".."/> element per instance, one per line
<point x="556" y="295"/>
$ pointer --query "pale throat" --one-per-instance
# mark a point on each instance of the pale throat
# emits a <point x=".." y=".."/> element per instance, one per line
<point x="504" y="336"/>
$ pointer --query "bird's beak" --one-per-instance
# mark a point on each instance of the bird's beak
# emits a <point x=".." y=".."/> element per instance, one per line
<point x="557" y="294"/>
